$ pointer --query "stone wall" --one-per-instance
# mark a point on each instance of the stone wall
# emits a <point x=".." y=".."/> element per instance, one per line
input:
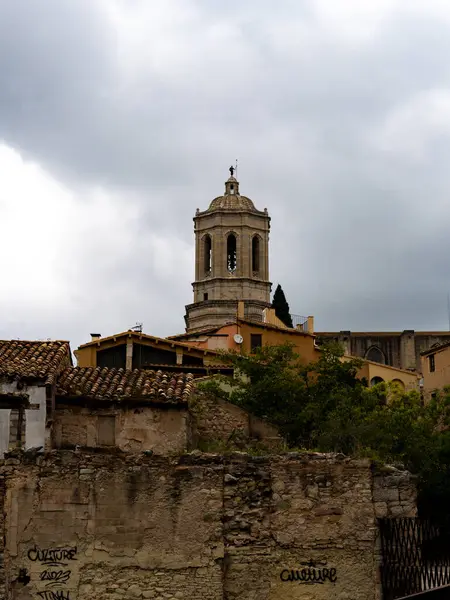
<point x="216" y="421"/>
<point x="161" y="430"/>
<point x="199" y="526"/>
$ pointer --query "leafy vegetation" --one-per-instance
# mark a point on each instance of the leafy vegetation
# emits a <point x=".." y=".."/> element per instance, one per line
<point x="324" y="406"/>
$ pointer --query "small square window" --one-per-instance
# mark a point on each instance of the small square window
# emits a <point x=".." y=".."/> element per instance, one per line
<point x="255" y="341"/>
<point x="431" y="363"/>
<point x="205" y="296"/>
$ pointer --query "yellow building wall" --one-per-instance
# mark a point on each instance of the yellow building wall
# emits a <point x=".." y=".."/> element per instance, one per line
<point x="371" y="371"/>
<point x="303" y="343"/>
<point x="441" y="376"/>
<point x="87" y="357"/>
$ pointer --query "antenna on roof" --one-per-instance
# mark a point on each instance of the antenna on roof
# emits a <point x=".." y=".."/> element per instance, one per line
<point x="137" y="327"/>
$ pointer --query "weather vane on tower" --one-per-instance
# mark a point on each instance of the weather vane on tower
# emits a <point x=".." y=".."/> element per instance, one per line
<point x="233" y="169"/>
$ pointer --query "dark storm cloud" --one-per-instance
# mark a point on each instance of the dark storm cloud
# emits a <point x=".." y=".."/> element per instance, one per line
<point x="352" y="238"/>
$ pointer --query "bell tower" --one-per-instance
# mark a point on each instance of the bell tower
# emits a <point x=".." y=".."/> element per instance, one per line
<point x="231" y="260"/>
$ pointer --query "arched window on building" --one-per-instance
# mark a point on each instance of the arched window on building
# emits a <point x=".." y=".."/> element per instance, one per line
<point x="376" y="380"/>
<point x="255" y="255"/>
<point x="207" y="254"/>
<point x="231" y="253"/>
<point x="376" y="355"/>
<point x="399" y="383"/>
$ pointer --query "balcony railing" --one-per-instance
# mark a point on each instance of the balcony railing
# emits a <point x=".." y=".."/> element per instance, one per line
<point x="260" y="315"/>
<point x="299" y="322"/>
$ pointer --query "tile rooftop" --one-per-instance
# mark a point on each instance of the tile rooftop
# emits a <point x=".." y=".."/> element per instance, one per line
<point x="120" y="384"/>
<point x="33" y="360"/>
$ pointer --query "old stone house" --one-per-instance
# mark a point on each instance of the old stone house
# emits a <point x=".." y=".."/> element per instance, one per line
<point x="28" y="374"/>
<point x="134" y="411"/>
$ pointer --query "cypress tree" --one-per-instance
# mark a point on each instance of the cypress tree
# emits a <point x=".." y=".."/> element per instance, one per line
<point x="281" y="306"/>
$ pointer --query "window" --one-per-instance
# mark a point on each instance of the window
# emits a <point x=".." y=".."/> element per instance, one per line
<point x="376" y="380"/>
<point x="207" y="249"/>
<point x="205" y="296"/>
<point x="255" y="255"/>
<point x="115" y="357"/>
<point x="255" y="341"/>
<point x="375" y="355"/>
<point x="431" y="363"/>
<point x="17" y="428"/>
<point x="106" y="430"/>
<point x="231" y="253"/>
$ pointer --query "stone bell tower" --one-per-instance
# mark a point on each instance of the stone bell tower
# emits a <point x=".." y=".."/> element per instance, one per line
<point x="231" y="260"/>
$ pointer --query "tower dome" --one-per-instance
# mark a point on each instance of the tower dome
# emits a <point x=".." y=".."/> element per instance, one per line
<point x="231" y="200"/>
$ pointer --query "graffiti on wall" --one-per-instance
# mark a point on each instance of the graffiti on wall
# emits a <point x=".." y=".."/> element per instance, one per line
<point x="310" y="573"/>
<point x="55" y="564"/>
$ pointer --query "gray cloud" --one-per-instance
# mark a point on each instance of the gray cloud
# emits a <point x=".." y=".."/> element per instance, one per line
<point x="330" y="130"/>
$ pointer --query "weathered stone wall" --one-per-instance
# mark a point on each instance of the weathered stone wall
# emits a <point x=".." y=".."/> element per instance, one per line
<point x="2" y="537"/>
<point x="393" y="493"/>
<point x="164" y="431"/>
<point x="199" y="526"/>
<point x="217" y="421"/>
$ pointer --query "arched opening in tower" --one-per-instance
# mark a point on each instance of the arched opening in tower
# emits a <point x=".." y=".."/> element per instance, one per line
<point x="207" y="254"/>
<point x="255" y="255"/>
<point x="231" y="253"/>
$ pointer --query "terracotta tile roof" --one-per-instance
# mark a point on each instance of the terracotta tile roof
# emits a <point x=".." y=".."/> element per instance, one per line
<point x="119" y="384"/>
<point x="33" y="360"/>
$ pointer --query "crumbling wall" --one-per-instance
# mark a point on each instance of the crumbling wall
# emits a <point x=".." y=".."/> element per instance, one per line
<point x="2" y="535"/>
<point x="198" y="526"/>
<point x="394" y="493"/>
<point x="214" y="420"/>
<point x="163" y="431"/>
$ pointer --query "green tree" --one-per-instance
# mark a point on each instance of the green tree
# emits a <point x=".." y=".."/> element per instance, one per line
<point x="281" y="306"/>
<point x="324" y="406"/>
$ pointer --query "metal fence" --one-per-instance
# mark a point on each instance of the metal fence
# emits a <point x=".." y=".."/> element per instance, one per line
<point x="415" y="556"/>
<point x="299" y="322"/>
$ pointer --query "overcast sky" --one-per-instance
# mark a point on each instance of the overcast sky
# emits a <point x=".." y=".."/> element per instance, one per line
<point x="118" y="118"/>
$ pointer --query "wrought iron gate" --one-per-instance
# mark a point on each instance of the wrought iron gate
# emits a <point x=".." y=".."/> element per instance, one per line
<point x="415" y="556"/>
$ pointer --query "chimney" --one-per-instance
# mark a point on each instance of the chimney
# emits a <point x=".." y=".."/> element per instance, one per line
<point x="95" y="336"/>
